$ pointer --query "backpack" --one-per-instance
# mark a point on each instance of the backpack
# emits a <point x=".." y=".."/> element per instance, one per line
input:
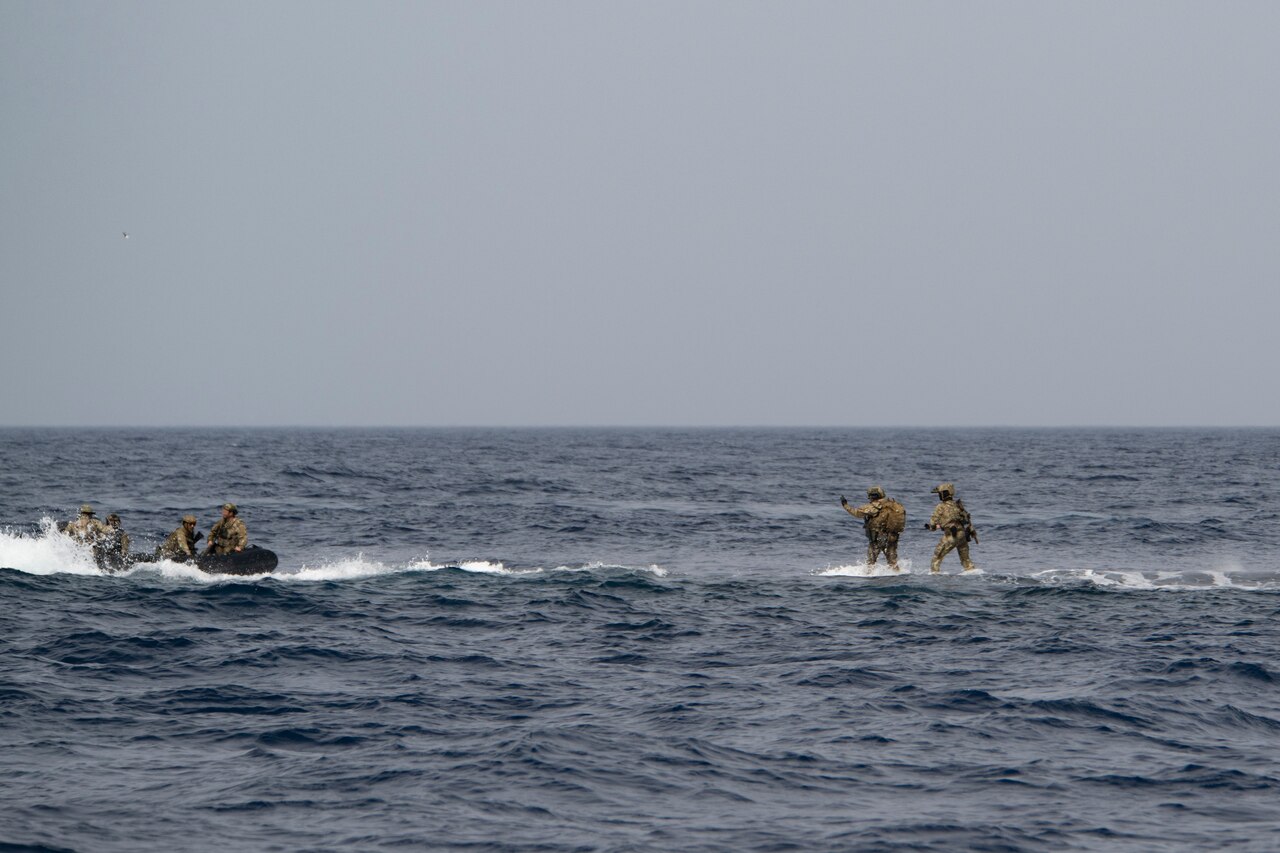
<point x="894" y="517"/>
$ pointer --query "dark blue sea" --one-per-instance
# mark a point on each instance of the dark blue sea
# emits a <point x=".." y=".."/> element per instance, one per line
<point x="644" y="640"/>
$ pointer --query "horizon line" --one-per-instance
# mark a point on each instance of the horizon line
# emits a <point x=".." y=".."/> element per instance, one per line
<point x="567" y="426"/>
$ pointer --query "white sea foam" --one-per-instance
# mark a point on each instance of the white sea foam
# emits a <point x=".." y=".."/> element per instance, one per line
<point x="655" y="570"/>
<point x="362" y="567"/>
<point x="179" y="571"/>
<point x="1229" y="576"/>
<point x="482" y="567"/>
<point x="1226" y="576"/>
<point x="491" y="568"/>
<point x="862" y="570"/>
<point x="45" y="553"/>
<point x="339" y="570"/>
<point x="48" y="552"/>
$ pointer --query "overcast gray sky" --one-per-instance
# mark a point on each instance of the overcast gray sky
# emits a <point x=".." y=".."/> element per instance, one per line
<point x="687" y="213"/>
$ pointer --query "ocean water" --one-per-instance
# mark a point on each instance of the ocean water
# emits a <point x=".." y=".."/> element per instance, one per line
<point x="644" y="640"/>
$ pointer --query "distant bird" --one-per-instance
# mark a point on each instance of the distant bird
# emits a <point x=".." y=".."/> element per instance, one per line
<point x="126" y="234"/>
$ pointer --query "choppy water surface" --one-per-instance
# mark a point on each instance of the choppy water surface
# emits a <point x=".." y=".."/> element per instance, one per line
<point x="644" y="640"/>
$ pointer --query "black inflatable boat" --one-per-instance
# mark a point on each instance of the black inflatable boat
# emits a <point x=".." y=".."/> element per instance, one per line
<point x="251" y="561"/>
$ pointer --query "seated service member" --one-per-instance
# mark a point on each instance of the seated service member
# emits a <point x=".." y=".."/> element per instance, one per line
<point x="181" y="544"/>
<point x="111" y="551"/>
<point x="86" y="528"/>
<point x="229" y="534"/>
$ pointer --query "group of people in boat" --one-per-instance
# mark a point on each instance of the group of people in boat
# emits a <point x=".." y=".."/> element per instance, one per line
<point x="110" y="543"/>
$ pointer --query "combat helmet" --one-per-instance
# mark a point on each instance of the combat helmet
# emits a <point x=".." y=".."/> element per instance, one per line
<point x="86" y="509"/>
<point x="944" y="491"/>
<point x="875" y="493"/>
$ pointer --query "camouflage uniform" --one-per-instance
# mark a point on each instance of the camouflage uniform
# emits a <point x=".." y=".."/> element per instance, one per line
<point x="86" y="528"/>
<point x="229" y="534"/>
<point x="181" y="544"/>
<point x="119" y="540"/>
<point x="950" y="516"/>
<point x="111" y="551"/>
<point x="873" y="517"/>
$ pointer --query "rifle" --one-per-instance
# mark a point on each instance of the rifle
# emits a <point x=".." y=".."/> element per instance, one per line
<point x="193" y="541"/>
<point x="970" y="534"/>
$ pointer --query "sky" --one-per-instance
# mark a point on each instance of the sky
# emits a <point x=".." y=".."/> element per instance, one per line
<point x="705" y="213"/>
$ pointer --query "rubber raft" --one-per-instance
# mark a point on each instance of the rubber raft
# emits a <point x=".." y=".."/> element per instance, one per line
<point x="251" y="561"/>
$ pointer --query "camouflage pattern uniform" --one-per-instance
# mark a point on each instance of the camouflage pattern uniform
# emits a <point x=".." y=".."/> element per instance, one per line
<point x="878" y="539"/>
<point x="86" y="529"/>
<point x="229" y="534"/>
<point x="949" y="516"/>
<point x="181" y="544"/>
<point x="118" y="539"/>
<point x="111" y="551"/>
